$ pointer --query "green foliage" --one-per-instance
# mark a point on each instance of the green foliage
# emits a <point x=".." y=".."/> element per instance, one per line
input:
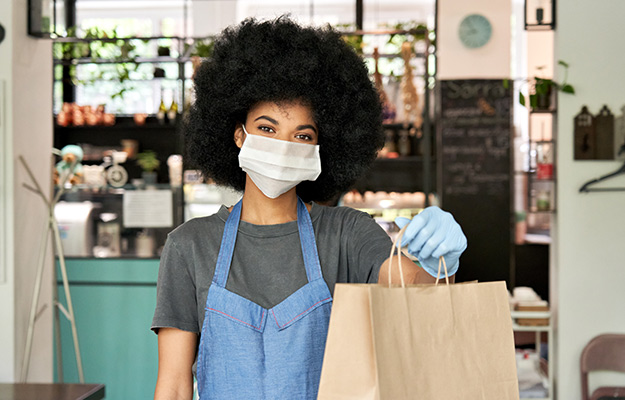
<point x="203" y="48"/>
<point x="148" y="161"/>
<point x="353" y="40"/>
<point x="120" y="50"/>
<point x="543" y="87"/>
<point x="417" y="31"/>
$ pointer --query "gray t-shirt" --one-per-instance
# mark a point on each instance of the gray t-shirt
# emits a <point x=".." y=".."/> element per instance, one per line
<point x="267" y="265"/>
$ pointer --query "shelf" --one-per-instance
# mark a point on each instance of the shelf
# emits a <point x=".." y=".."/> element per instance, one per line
<point x="122" y="122"/>
<point x="540" y="111"/>
<point x="398" y="125"/>
<point x="530" y="328"/>
<point x="533" y="238"/>
<point x="138" y="60"/>
<point x="414" y="159"/>
<point x="92" y="81"/>
<point x="126" y="39"/>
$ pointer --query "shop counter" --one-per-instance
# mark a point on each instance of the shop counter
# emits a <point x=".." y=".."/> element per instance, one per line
<point x="51" y="391"/>
<point x="114" y="302"/>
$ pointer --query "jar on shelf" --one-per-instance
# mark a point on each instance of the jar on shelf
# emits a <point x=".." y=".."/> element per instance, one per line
<point x="544" y="160"/>
<point x="543" y="200"/>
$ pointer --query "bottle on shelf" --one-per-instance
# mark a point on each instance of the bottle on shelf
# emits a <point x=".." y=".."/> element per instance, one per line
<point x="403" y="143"/>
<point x="161" y="114"/>
<point x="173" y="112"/>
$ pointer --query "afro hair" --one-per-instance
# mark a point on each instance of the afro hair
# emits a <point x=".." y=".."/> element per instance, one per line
<point x="281" y="61"/>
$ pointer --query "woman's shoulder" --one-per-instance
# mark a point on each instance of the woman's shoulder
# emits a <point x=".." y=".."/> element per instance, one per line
<point x="340" y="214"/>
<point x="199" y="227"/>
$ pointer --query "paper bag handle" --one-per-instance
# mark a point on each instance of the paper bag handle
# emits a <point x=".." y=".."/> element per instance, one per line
<point x="397" y="245"/>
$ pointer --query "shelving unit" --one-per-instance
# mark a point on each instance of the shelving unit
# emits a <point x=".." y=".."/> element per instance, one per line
<point x="539" y="330"/>
<point x="411" y="173"/>
<point x="417" y="171"/>
<point x="540" y="178"/>
<point x="541" y="163"/>
<point x="180" y="48"/>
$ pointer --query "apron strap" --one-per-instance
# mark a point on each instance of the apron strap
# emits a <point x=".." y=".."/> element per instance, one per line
<point x="226" y="250"/>
<point x="308" y="242"/>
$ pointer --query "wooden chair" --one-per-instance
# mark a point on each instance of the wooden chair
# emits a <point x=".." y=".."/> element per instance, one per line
<point x="607" y="353"/>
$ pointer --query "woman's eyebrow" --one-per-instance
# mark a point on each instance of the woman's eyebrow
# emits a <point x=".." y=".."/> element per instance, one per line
<point x="302" y="127"/>
<point x="273" y="121"/>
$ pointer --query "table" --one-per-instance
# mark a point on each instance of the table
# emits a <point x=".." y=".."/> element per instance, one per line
<point x="51" y="391"/>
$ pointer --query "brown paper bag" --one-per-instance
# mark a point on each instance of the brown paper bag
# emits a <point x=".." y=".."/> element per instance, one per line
<point x="424" y="342"/>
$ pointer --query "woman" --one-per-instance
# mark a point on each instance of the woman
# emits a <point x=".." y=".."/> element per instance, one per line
<point x="287" y="115"/>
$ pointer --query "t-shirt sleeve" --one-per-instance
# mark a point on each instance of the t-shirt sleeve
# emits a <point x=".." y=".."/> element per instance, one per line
<point x="369" y="246"/>
<point x="176" y="303"/>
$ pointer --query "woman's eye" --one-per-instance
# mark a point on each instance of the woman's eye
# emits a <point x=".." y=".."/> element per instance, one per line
<point x="304" y="136"/>
<point x="266" y="129"/>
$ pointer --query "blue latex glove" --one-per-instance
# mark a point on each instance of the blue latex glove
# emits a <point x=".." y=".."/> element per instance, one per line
<point x="431" y="234"/>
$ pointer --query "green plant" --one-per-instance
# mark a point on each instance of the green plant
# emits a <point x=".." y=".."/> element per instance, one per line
<point x="354" y="40"/>
<point x="415" y="31"/>
<point x="203" y="48"/>
<point x="148" y="161"/>
<point x="111" y="47"/>
<point x="540" y="96"/>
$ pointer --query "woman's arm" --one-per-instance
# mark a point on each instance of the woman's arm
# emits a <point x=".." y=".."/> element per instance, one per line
<point x="176" y="354"/>
<point x="412" y="273"/>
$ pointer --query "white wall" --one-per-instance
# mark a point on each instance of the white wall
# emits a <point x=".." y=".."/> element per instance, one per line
<point x="7" y="315"/>
<point x="26" y="66"/>
<point x="591" y="227"/>
<point x="211" y="17"/>
<point x="491" y="61"/>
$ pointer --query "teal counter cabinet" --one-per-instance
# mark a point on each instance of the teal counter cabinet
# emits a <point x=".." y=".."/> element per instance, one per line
<point x="113" y="301"/>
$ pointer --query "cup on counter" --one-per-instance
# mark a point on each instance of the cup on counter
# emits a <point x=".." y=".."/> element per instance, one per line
<point x="144" y="245"/>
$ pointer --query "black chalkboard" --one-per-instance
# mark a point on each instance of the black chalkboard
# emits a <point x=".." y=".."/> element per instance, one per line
<point x="474" y="133"/>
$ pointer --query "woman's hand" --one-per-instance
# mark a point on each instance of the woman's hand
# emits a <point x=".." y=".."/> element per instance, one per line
<point x="431" y="234"/>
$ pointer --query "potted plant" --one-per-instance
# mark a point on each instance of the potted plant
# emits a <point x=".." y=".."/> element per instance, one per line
<point x="148" y="161"/>
<point x="543" y="88"/>
<point x="202" y="48"/>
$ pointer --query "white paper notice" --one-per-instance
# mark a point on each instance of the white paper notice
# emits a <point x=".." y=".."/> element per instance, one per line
<point x="148" y="209"/>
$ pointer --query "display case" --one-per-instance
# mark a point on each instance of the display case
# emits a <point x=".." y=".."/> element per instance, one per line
<point x="126" y="222"/>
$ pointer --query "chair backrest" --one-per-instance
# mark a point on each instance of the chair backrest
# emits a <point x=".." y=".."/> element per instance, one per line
<point x="604" y="352"/>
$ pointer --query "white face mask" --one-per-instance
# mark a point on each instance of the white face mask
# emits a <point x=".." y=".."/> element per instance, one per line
<point x="276" y="166"/>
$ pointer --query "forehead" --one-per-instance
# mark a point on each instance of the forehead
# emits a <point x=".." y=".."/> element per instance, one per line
<point x="293" y="110"/>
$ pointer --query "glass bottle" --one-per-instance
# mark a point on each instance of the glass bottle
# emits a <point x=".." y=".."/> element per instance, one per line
<point x="162" y="112"/>
<point x="173" y="112"/>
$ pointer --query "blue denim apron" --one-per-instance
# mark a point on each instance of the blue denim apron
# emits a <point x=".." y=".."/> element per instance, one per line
<point x="249" y="352"/>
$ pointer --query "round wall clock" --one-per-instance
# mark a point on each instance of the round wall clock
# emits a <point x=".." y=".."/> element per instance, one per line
<point x="475" y="31"/>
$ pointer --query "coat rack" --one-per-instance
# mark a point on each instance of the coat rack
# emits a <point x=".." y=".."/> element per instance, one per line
<point x="51" y="226"/>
